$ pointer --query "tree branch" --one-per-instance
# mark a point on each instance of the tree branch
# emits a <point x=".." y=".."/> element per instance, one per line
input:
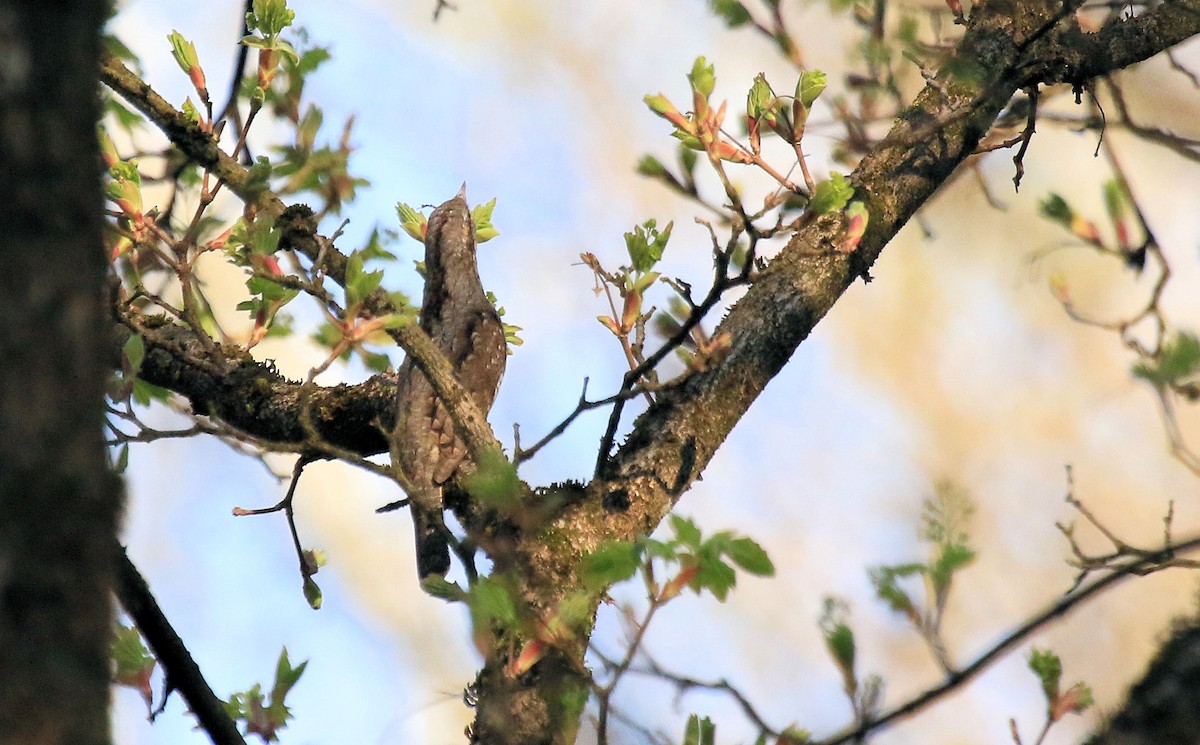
<point x="300" y="234"/>
<point x="183" y="674"/>
<point x="674" y="440"/>
<point x="961" y="676"/>
<point x="253" y="397"/>
<point x="1070" y="55"/>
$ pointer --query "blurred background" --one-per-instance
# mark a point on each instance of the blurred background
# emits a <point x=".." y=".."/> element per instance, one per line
<point x="955" y="362"/>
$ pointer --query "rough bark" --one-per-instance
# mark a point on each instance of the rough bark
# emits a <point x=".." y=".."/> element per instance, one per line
<point x="1164" y="706"/>
<point x="59" y="503"/>
<point x="1008" y="45"/>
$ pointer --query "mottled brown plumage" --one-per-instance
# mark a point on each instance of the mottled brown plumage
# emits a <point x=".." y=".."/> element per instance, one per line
<point x="464" y="324"/>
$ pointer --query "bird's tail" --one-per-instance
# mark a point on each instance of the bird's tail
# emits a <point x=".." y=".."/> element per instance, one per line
<point x="433" y="550"/>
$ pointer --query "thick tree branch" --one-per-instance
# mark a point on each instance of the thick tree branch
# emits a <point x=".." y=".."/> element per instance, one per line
<point x="186" y="134"/>
<point x="253" y="397"/>
<point x="299" y="235"/>
<point x="674" y="440"/>
<point x="1069" y="55"/>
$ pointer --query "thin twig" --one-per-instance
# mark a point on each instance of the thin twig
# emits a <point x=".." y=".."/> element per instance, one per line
<point x="985" y="660"/>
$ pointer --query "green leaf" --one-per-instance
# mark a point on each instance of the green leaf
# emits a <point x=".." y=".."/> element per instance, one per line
<point x="135" y="352"/>
<point x="411" y="221"/>
<point x="715" y="576"/>
<point x="122" y="459"/>
<point x="129" y="654"/>
<point x="1048" y="667"/>
<point x="190" y="112"/>
<point x="1055" y="208"/>
<point x="312" y="593"/>
<point x="810" y="85"/>
<point x="1116" y="200"/>
<point x="144" y="393"/>
<point x="731" y="11"/>
<point x="575" y="609"/>
<point x="286" y="676"/>
<point x="699" y="731"/>
<point x="760" y="100"/>
<point x="839" y="640"/>
<point x="132" y="662"/>
<point x="495" y="483"/>
<point x="645" y="244"/>
<point x="183" y="51"/>
<point x="887" y="588"/>
<point x="750" y="556"/>
<point x="1176" y="362"/>
<point x="952" y="557"/>
<point x="702" y="77"/>
<point x="688" y="159"/>
<point x="659" y="104"/>
<point x="481" y="216"/>
<point x="686" y="531"/>
<point x="610" y="563"/>
<point x="651" y="166"/>
<point x="126" y="170"/>
<point x="490" y="600"/>
<point x="270" y="290"/>
<point x="261" y="237"/>
<point x="359" y="282"/>
<point x="831" y="195"/>
<point x="259" y="174"/>
<point x="269" y="17"/>
<point x="440" y="587"/>
<point x="376" y="245"/>
<point x="688" y="140"/>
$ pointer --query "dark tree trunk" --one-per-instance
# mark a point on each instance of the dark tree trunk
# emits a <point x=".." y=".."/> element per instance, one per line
<point x="59" y="503"/>
<point x="1164" y="706"/>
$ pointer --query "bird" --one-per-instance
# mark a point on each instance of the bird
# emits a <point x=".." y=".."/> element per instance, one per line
<point x="464" y="324"/>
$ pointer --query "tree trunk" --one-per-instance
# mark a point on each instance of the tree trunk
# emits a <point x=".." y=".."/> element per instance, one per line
<point x="59" y="502"/>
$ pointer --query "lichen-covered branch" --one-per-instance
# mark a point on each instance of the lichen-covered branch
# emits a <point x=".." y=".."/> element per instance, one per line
<point x="299" y="235"/>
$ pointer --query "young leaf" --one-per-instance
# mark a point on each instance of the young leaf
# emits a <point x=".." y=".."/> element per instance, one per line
<point x="702" y="77"/>
<point x="831" y="194"/>
<point x="610" y="563"/>
<point x="1055" y="208"/>
<point x="132" y="662"/>
<point x="481" y="215"/>
<point x="760" y="101"/>
<point x="359" y="282"/>
<point x="750" y="556"/>
<point x="645" y="244"/>
<point x="411" y="221"/>
<point x="810" y="85"/>
<point x="1048" y="667"/>
<point x="135" y="352"/>
<point x="651" y="166"/>
<point x="286" y="676"/>
<point x="715" y="576"/>
<point x="731" y="11"/>
<point x="269" y="17"/>
<point x="699" y="731"/>
<point x="494" y="482"/>
<point x="490" y="600"/>
<point x="1177" y="361"/>
<point x="183" y="51"/>
<point x="686" y="531"/>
